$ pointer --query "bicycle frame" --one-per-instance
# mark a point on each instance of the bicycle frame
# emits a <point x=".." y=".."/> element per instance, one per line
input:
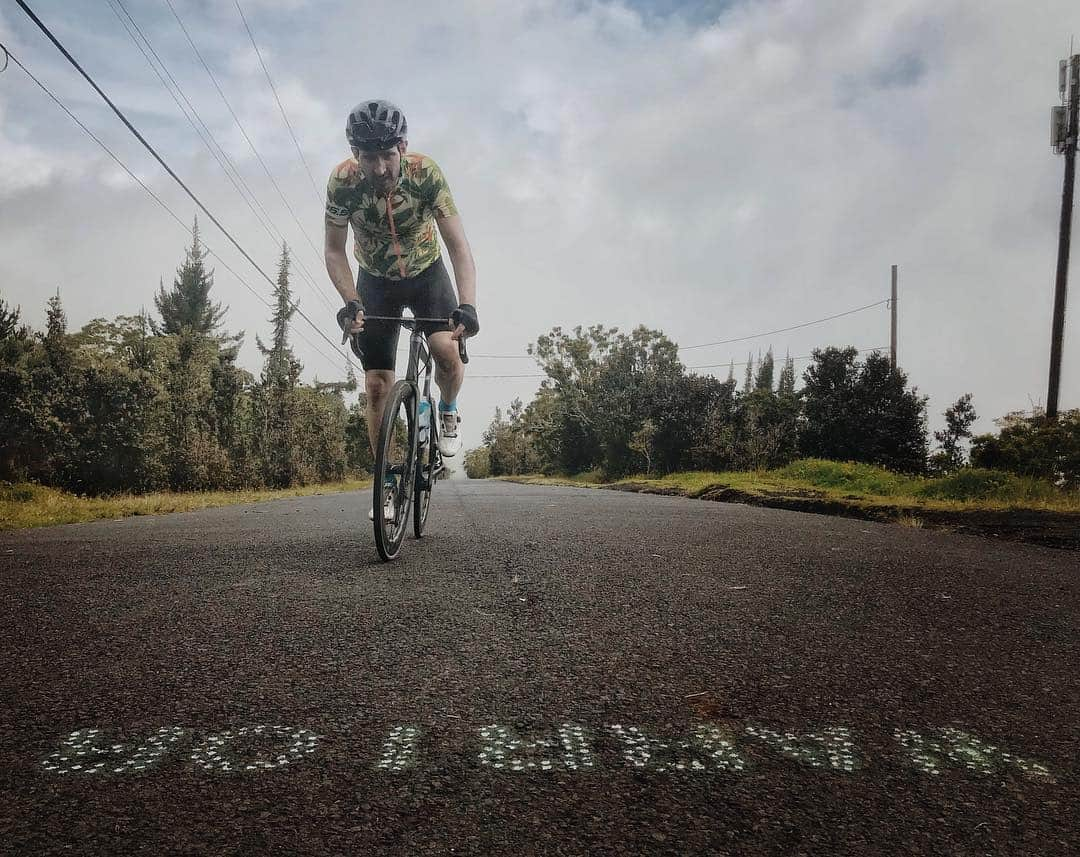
<point x="419" y="353"/>
<point x="414" y="476"/>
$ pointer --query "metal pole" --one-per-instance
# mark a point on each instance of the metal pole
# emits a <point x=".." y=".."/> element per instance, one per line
<point x="892" y="306"/>
<point x="1057" y="334"/>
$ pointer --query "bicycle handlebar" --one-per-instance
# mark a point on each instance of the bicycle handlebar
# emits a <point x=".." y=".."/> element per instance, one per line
<point x="409" y="322"/>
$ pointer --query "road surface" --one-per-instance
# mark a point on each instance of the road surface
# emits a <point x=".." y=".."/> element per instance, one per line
<point x="549" y="671"/>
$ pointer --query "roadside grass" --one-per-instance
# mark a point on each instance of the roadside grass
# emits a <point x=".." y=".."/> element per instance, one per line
<point x="970" y="489"/>
<point x="24" y="504"/>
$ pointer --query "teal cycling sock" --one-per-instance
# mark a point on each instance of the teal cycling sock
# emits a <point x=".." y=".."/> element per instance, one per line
<point x="444" y="407"/>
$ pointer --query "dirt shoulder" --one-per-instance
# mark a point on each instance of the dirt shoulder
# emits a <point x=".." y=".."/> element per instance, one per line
<point x="1044" y="527"/>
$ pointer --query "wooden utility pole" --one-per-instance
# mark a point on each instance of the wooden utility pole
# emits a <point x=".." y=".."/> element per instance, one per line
<point x="1068" y="146"/>
<point x="892" y="306"/>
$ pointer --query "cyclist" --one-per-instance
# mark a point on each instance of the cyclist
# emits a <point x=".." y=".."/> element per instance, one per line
<point x="394" y="199"/>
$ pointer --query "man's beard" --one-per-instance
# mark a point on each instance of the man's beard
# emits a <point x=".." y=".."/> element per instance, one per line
<point x="383" y="185"/>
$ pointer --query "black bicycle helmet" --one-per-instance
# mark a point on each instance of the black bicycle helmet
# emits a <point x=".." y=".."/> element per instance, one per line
<point x="375" y="125"/>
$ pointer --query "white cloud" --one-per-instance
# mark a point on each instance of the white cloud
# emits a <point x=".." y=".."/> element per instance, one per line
<point x="758" y="170"/>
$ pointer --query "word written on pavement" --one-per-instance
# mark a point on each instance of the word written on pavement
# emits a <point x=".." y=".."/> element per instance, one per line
<point x="704" y="749"/>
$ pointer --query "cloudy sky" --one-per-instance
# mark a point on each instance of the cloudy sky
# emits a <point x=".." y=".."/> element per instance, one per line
<point x="711" y="168"/>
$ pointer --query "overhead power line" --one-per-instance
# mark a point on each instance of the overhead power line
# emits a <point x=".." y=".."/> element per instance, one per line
<point x="243" y="189"/>
<point x="281" y="107"/>
<point x="243" y="131"/>
<point x="784" y="329"/>
<point x="165" y="166"/>
<point x="708" y="366"/>
<point x="190" y="113"/>
<point x="724" y="341"/>
<point x="154" y="196"/>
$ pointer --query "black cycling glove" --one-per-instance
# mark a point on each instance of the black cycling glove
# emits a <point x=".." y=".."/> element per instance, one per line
<point x="346" y="315"/>
<point x="466" y="314"/>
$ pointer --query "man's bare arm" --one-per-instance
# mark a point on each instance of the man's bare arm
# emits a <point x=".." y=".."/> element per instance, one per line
<point x="457" y="245"/>
<point x="337" y="262"/>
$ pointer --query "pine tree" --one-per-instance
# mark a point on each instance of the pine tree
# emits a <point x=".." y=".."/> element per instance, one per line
<point x="764" y="379"/>
<point x="9" y="321"/>
<point x="187" y="304"/>
<point x="787" y="377"/>
<point x="748" y="383"/>
<point x="58" y="346"/>
<point x="55" y="318"/>
<point x="281" y="364"/>
<point x="280" y="404"/>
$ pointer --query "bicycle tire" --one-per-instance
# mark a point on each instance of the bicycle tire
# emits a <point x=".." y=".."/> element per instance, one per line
<point x="427" y="468"/>
<point x="398" y="461"/>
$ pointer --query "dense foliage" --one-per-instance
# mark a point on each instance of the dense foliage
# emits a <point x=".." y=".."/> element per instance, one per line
<point x="141" y="403"/>
<point x="1031" y="445"/>
<point x="623" y="403"/>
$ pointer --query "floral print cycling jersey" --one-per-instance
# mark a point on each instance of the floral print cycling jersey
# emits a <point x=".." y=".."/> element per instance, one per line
<point x="407" y="244"/>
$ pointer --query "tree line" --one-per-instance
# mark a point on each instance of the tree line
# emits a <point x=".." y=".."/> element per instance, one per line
<point x="623" y="403"/>
<point x="146" y="402"/>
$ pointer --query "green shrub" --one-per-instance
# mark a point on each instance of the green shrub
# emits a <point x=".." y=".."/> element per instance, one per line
<point x="478" y="463"/>
<point x="846" y="476"/>
<point x="1031" y="446"/>
<point x="19" y="492"/>
<point x="977" y="483"/>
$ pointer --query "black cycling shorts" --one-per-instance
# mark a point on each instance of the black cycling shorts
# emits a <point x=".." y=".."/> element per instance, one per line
<point x="429" y="294"/>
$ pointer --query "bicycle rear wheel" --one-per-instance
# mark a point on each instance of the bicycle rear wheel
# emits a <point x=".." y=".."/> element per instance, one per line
<point x="428" y="462"/>
<point x="395" y="468"/>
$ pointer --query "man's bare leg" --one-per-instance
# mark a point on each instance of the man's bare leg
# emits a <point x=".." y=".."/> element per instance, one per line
<point x="377" y="384"/>
<point x="449" y="370"/>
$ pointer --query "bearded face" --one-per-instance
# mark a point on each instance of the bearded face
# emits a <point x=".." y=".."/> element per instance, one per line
<point x="382" y="169"/>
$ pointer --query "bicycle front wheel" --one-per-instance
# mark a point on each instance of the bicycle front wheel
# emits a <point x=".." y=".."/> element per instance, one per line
<point x="395" y="468"/>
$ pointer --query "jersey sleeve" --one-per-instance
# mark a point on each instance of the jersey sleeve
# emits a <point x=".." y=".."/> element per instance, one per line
<point x="337" y="199"/>
<point x="439" y="197"/>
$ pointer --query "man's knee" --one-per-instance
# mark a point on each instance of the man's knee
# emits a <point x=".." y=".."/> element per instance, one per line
<point x="377" y="384"/>
<point x="450" y="367"/>
<point x="445" y="351"/>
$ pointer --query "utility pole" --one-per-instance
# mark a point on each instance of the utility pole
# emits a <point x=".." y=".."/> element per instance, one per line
<point x="892" y="306"/>
<point x="1064" y="127"/>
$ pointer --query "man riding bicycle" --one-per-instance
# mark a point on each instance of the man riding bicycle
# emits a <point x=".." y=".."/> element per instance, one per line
<point x="394" y="199"/>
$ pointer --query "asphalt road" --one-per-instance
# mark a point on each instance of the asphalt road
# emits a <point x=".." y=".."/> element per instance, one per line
<point x="550" y="671"/>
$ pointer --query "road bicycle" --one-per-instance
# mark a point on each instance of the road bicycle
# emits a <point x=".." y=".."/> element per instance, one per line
<point x="407" y="459"/>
